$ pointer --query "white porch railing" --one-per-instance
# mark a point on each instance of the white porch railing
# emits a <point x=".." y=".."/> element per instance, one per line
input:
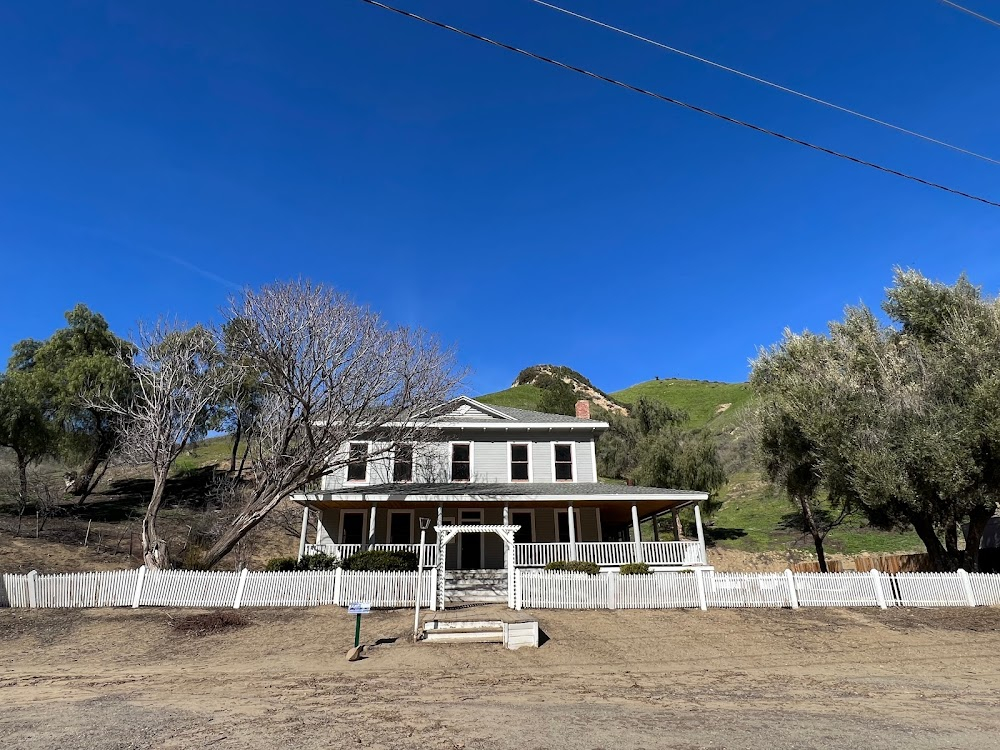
<point x="609" y="554"/>
<point x="344" y="551"/>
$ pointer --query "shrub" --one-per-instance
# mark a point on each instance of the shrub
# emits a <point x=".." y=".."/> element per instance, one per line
<point x="574" y="566"/>
<point x="635" y="569"/>
<point x="281" y="564"/>
<point x="380" y="559"/>
<point x="213" y="622"/>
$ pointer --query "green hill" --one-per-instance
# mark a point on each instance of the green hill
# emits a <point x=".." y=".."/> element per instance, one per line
<point x="704" y="401"/>
<point x="520" y="397"/>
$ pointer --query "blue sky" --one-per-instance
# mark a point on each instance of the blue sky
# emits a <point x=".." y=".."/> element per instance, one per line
<point x="158" y="156"/>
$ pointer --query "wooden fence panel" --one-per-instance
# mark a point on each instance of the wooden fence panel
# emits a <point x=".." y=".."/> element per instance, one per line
<point x="385" y="589"/>
<point x="835" y="590"/>
<point x="189" y="588"/>
<point x="14" y="590"/>
<point x="655" y="591"/>
<point x="986" y="588"/>
<point x="747" y="590"/>
<point x="928" y="590"/>
<point x="297" y="589"/>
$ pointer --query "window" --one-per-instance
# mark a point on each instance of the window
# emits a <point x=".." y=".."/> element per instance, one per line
<point x="563" y="457"/>
<point x="519" y="462"/>
<point x="461" y="462"/>
<point x="352" y="527"/>
<point x="526" y="520"/>
<point x="357" y="462"/>
<point x="402" y="463"/>
<point x="400" y="525"/>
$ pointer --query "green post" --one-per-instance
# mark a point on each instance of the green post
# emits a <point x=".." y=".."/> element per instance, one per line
<point x="357" y="631"/>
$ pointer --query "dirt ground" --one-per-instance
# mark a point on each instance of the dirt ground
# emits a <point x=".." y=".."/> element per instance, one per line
<point x="625" y="680"/>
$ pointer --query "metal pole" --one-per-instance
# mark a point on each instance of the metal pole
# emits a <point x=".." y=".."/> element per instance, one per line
<point x="357" y="631"/>
<point x="420" y="584"/>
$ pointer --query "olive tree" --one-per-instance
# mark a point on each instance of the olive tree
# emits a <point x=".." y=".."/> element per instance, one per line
<point x="329" y="371"/>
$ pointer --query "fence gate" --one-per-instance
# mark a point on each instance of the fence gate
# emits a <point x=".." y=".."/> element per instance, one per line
<point x="446" y="533"/>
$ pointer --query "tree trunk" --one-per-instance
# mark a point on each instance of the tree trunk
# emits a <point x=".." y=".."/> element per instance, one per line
<point x="236" y="443"/>
<point x="243" y="460"/>
<point x="807" y="513"/>
<point x="678" y="529"/>
<point x="154" y="549"/>
<point x="92" y="485"/>
<point x="978" y="518"/>
<point x="82" y="484"/>
<point x="951" y="538"/>
<point x="240" y="526"/>
<point x="939" y="557"/>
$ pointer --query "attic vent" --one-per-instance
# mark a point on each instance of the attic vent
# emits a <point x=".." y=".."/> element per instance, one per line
<point x="463" y="409"/>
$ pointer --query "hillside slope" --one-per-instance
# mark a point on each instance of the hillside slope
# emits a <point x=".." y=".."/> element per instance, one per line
<point x="705" y="402"/>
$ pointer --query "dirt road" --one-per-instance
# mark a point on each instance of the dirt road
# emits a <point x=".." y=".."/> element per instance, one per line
<point x="677" y="679"/>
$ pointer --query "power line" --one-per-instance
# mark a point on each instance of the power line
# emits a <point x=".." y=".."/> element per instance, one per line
<point x="685" y="105"/>
<point x="765" y="82"/>
<point x="980" y="16"/>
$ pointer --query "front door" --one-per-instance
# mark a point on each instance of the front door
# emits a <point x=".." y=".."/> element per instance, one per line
<point x="524" y="519"/>
<point x="470" y="545"/>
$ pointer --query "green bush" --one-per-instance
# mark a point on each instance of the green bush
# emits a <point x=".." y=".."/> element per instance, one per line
<point x="635" y="569"/>
<point x="380" y="559"/>
<point x="574" y="566"/>
<point x="308" y="562"/>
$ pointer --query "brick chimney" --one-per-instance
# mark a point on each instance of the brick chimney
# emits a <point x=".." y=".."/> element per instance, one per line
<point x="583" y="409"/>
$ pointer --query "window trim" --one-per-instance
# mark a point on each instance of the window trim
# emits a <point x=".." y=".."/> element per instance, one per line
<point x="510" y="466"/>
<point x="363" y="512"/>
<point x="368" y="460"/>
<point x="388" y="528"/>
<point x="393" y="462"/>
<point x="572" y="457"/>
<point x="534" y="526"/>
<point x="451" y="460"/>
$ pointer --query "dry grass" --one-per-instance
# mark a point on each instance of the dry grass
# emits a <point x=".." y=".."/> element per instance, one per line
<point x="210" y="623"/>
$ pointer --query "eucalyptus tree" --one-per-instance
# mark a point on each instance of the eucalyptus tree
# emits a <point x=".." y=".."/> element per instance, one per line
<point x="23" y="428"/>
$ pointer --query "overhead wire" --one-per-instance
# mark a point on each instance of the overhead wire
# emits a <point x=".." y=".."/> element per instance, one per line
<point x="971" y="12"/>
<point x="765" y="82"/>
<point x="685" y="105"/>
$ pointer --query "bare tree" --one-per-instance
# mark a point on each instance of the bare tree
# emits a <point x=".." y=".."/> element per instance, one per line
<point x="178" y="374"/>
<point x="330" y="371"/>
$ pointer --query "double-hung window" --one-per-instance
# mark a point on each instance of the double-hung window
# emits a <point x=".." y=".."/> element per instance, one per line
<point x="563" y="462"/>
<point x="357" y="462"/>
<point x="402" y="463"/>
<point x="520" y="458"/>
<point x="461" y="462"/>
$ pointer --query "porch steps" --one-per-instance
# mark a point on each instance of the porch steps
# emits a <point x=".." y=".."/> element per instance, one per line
<point x="513" y="630"/>
<point x="481" y="631"/>
<point x="475" y="586"/>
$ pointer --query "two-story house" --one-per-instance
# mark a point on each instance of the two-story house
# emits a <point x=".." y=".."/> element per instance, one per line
<point x="496" y="466"/>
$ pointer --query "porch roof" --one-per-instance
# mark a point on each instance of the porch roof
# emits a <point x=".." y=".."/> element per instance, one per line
<point x="617" y="498"/>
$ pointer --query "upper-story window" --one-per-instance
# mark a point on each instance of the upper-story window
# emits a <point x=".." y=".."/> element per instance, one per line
<point x="402" y="463"/>
<point x="520" y="462"/>
<point x="562" y="457"/>
<point x="461" y="462"/>
<point x="357" y="462"/>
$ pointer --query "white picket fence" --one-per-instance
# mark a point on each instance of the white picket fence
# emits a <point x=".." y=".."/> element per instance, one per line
<point x="189" y="588"/>
<point x="707" y="588"/>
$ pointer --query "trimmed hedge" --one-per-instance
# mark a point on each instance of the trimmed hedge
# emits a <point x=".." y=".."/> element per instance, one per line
<point x="380" y="559"/>
<point x="574" y="566"/>
<point x="318" y="561"/>
<point x="635" y="569"/>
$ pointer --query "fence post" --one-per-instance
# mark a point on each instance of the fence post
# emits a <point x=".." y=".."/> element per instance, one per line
<point x="519" y="589"/>
<point x="138" y="587"/>
<point x="879" y="591"/>
<point x="337" y="586"/>
<point x="612" y="600"/>
<point x="240" y="587"/>
<point x="434" y="588"/>
<point x="702" y="601"/>
<point x="963" y="576"/>
<point x="793" y="597"/>
<point x="33" y="589"/>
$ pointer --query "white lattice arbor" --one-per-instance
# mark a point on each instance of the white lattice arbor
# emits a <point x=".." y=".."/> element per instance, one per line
<point x="445" y="533"/>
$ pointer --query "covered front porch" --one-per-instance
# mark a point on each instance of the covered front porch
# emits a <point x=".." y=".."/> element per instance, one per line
<point x="602" y="525"/>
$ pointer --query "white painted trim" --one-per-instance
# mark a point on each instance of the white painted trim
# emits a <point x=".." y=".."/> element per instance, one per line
<point x="555" y="520"/>
<point x="593" y="457"/>
<point x="534" y="527"/>
<point x="510" y="467"/>
<point x="364" y="523"/>
<point x="388" y="529"/>
<point x="468" y="401"/>
<point x="592" y="426"/>
<point x="472" y="460"/>
<point x="381" y="497"/>
<point x="572" y="457"/>
<point x="482" y="546"/>
<point x="368" y="463"/>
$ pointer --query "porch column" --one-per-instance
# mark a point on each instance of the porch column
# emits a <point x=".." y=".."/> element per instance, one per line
<point x="305" y="530"/>
<point x="371" y="527"/>
<point x="701" y="533"/>
<point x="571" y="522"/>
<point x="678" y="531"/>
<point x="508" y="549"/>
<point x="656" y="527"/>
<point x="636" y="534"/>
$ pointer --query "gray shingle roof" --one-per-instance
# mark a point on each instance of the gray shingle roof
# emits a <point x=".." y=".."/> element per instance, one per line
<point x="567" y="489"/>
<point x="526" y="415"/>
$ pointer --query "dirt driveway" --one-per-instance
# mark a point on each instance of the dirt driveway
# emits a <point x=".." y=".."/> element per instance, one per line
<point x="678" y="679"/>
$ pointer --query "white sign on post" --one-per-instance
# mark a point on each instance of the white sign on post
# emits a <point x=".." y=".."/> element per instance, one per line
<point x="359" y="608"/>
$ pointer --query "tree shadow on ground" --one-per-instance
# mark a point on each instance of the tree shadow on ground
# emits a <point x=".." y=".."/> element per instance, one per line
<point x="714" y="534"/>
<point x="796" y="520"/>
